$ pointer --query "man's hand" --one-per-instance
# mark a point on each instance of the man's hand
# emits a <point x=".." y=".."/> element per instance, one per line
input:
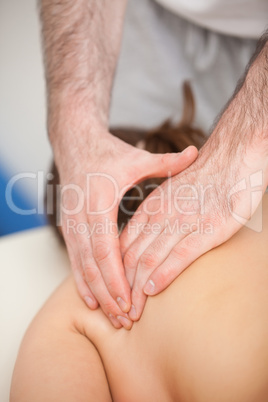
<point x="81" y="42"/>
<point x="206" y="204"/>
<point x="188" y="215"/>
<point x="94" y="176"/>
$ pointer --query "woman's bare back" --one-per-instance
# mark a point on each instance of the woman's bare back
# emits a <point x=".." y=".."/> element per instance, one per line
<point x="204" y="339"/>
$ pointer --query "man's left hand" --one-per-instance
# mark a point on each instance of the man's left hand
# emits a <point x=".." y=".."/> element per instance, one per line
<point x="188" y="215"/>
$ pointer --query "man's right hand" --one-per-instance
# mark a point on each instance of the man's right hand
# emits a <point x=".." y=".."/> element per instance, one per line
<point x="81" y="43"/>
<point x="96" y="169"/>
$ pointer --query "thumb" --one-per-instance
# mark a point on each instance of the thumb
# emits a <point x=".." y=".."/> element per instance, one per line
<point x="160" y="165"/>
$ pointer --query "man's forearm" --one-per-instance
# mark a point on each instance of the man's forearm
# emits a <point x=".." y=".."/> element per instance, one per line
<point x="81" y="41"/>
<point x="243" y="124"/>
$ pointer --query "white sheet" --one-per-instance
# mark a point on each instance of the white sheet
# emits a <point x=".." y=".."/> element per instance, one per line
<point x="32" y="265"/>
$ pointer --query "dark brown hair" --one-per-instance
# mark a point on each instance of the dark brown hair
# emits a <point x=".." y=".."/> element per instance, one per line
<point x="162" y="139"/>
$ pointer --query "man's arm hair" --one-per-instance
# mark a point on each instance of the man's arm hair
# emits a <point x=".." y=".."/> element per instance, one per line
<point x="81" y="42"/>
<point x="244" y="119"/>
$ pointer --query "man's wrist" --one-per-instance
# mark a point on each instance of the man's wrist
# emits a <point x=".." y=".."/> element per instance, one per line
<point x="69" y="108"/>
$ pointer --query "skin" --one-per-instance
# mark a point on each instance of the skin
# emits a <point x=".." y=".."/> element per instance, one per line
<point x="202" y="340"/>
<point x="216" y="189"/>
<point x="81" y="41"/>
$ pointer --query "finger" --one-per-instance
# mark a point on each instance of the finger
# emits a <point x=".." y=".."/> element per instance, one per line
<point x="132" y="230"/>
<point x="138" y="247"/>
<point x="110" y="307"/>
<point x="157" y="165"/>
<point x="138" y="302"/>
<point x="115" y="321"/>
<point x="148" y="218"/>
<point x="76" y="264"/>
<point x="152" y="247"/>
<point x="148" y="262"/>
<point x="107" y="256"/>
<point x="162" y="165"/>
<point x="95" y="282"/>
<point x="81" y="284"/>
<point x="152" y="250"/>
<point x="180" y="257"/>
<point x="84" y="291"/>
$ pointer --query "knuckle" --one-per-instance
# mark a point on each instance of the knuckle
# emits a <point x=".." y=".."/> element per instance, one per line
<point x="102" y="250"/>
<point x="112" y="284"/>
<point x="110" y="307"/>
<point x="86" y="252"/>
<point x="164" y="277"/>
<point x="193" y="241"/>
<point x="136" y="294"/>
<point x="148" y="260"/>
<point x="92" y="274"/>
<point x="180" y="253"/>
<point x="161" y="277"/>
<point x="129" y="259"/>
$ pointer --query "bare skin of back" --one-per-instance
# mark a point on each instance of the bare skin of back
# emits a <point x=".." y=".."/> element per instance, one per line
<point x="204" y="339"/>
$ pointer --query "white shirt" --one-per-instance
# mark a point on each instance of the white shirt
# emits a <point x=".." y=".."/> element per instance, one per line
<point x="242" y="18"/>
<point x="160" y="50"/>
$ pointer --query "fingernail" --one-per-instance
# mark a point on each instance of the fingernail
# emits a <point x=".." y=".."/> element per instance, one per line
<point x="133" y="313"/>
<point x="90" y="302"/>
<point x="124" y="321"/>
<point x="114" y="321"/>
<point x="149" y="288"/>
<point x="122" y="304"/>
